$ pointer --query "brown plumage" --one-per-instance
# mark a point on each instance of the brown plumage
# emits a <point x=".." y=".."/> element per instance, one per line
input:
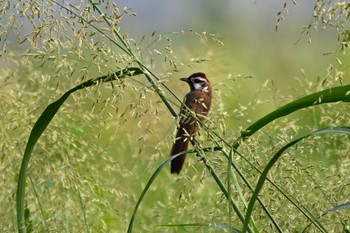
<point x="197" y="100"/>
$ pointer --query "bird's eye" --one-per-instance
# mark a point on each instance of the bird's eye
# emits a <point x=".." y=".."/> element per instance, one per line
<point x="196" y="80"/>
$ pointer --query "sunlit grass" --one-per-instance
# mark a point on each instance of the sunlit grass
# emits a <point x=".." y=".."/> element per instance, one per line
<point x="91" y="164"/>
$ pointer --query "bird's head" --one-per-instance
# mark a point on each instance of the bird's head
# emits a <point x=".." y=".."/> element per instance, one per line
<point x="198" y="81"/>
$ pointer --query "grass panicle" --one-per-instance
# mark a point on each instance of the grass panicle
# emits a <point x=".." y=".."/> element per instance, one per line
<point x="250" y="180"/>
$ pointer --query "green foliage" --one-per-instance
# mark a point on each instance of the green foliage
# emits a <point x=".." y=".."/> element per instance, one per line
<point x="42" y="123"/>
<point x="93" y="158"/>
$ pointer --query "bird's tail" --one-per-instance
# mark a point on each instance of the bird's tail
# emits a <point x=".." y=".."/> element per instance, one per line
<point x="181" y="144"/>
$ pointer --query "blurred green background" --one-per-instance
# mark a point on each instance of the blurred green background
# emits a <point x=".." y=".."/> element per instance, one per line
<point x="92" y="162"/>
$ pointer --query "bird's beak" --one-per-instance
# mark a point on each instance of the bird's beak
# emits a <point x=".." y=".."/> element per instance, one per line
<point x="184" y="79"/>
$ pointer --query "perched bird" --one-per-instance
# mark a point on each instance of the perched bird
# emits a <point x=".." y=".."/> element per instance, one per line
<point x="197" y="101"/>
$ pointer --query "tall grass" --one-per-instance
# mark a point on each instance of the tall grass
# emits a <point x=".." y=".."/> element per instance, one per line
<point x="259" y="173"/>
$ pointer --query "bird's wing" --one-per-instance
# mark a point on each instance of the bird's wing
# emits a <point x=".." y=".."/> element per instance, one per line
<point x="193" y="104"/>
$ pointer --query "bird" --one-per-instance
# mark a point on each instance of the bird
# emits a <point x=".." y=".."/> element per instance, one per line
<point x="197" y="101"/>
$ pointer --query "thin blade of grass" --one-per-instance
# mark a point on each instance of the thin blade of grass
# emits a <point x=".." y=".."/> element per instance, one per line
<point x="39" y="127"/>
<point x="263" y="176"/>
<point x="220" y="183"/>
<point x="213" y="225"/>
<point x="245" y="180"/>
<point x="338" y="207"/>
<point x="154" y="176"/>
<point x="331" y="95"/>
<point x="148" y="185"/>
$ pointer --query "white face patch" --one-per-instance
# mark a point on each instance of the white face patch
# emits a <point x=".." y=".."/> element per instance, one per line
<point x="197" y="86"/>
